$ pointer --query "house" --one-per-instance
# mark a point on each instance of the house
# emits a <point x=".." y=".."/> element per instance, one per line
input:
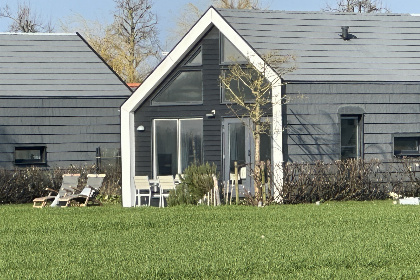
<point x="355" y="93"/>
<point x="59" y="102"/>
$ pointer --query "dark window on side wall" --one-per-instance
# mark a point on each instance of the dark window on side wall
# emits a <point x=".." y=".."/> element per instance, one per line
<point x="351" y="135"/>
<point x="407" y="145"/>
<point x="31" y="155"/>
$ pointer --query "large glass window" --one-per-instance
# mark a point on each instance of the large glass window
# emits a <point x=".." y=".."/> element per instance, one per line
<point x="31" y="155"/>
<point x="229" y="53"/>
<point x="177" y="144"/>
<point x="407" y="145"/>
<point x="350" y="136"/>
<point x="185" y="88"/>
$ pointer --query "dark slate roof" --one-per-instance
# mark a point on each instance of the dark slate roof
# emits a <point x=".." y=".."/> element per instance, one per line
<point x="387" y="47"/>
<point x="54" y="65"/>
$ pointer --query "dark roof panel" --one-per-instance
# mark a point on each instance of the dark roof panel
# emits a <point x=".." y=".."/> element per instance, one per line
<point x="54" y="65"/>
<point x="384" y="47"/>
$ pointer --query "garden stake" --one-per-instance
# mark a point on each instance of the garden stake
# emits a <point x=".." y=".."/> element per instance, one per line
<point x="236" y="183"/>
<point x="263" y="182"/>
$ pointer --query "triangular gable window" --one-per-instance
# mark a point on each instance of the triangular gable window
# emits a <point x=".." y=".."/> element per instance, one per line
<point x="185" y="88"/>
<point x="229" y="53"/>
<point x="196" y="59"/>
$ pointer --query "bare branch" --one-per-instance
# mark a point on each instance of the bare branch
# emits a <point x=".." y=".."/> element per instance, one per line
<point x="26" y="20"/>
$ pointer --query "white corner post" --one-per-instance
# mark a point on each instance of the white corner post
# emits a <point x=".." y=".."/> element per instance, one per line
<point x="277" y="159"/>
<point x="127" y="158"/>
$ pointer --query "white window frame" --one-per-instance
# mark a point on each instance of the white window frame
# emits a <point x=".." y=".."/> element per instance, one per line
<point x="178" y="129"/>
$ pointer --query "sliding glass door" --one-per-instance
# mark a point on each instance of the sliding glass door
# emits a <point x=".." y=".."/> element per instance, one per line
<point x="177" y="143"/>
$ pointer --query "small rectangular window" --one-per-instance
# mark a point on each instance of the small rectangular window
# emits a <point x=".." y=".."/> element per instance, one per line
<point x="30" y="155"/>
<point x="350" y="136"/>
<point x="408" y="145"/>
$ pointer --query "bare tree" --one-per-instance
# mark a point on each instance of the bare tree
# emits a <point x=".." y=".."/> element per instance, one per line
<point x="250" y="93"/>
<point x="135" y="25"/>
<point x="25" y="20"/>
<point x="357" y="6"/>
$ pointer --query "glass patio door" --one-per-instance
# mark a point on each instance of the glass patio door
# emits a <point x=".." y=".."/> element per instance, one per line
<point x="237" y="141"/>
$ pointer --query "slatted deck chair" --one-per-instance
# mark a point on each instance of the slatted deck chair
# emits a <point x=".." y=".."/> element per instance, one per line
<point x="88" y="194"/>
<point x="166" y="184"/>
<point x="142" y="185"/>
<point x="68" y="187"/>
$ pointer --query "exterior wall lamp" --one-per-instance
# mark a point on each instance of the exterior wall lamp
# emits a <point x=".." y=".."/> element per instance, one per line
<point x="140" y="128"/>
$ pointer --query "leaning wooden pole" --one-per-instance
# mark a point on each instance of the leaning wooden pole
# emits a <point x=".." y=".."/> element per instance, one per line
<point x="236" y="183"/>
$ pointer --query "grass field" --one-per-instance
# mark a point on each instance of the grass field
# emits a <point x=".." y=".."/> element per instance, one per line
<point x="350" y="240"/>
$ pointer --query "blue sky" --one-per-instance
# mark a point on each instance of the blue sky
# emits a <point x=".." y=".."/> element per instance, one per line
<point x="167" y="10"/>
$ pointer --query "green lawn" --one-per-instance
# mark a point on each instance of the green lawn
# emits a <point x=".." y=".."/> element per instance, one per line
<point x="351" y="240"/>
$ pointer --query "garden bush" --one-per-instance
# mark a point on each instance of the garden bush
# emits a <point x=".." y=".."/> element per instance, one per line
<point x="22" y="185"/>
<point x="196" y="181"/>
<point x="349" y="180"/>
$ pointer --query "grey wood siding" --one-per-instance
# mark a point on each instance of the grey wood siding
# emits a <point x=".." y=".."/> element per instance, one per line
<point x="71" y="128"/>
<point x="212" y="128"/>
<point x="313" y="132"/>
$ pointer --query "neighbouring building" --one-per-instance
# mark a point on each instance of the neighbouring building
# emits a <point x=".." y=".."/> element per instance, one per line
<point x="59" y="101"/>
<point x="355" y="93"/>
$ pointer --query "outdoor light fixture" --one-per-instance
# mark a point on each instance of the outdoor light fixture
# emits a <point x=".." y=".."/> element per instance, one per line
<point x="140" y="128"/>
<point x="212" y="114"/>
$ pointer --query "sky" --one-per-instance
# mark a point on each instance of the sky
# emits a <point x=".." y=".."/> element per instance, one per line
<point x="167" y="10"/>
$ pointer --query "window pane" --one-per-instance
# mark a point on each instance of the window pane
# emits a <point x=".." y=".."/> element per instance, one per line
<point x="30" y="155"/>
<point x="191" y="142"/>
<point x="166" y="152"/>
<point x="229" y="53"/>
<point x="236" y="144"/>
<point x="349" y="137"/>
<point x="265" y="147"/>
<point x="406" y="145"/>
<point x="186" y="88"/>
<point x="196" y="60"/>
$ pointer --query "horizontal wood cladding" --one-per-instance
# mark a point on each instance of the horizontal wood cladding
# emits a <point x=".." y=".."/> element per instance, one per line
<point x="313" y="121"/>
<point x="70" y="128"/>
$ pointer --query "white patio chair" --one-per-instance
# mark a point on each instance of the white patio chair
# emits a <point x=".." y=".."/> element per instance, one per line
<point x="142" y="185"/>
<point x="166" y="184"/>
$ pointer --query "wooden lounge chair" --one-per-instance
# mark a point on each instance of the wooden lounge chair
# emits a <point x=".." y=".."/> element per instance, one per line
<point x="88" y="194"/>
<point x="142" y="189"/>
<point x="166" y="184"/>
<point x="68" y="186"/>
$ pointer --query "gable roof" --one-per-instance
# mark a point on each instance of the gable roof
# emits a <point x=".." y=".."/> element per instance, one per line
<point x="54" y="65"/>
<point x="386" y="47"/>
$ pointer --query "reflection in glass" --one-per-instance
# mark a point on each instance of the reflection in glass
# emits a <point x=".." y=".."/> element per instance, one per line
<point x="229" y="53"/>
<point x="191" y="142"/>
<point x="166" y="152"/>
<point x="406" y="145"/>
<point x="186" y="88"/>
<point x="236" y="145"/>
<point x="349" y="137"/>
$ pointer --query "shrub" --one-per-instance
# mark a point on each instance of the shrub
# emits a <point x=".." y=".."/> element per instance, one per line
<point x="22" y="185"/>
<point x="349" y="180"/>
<point x="195" y="183"/>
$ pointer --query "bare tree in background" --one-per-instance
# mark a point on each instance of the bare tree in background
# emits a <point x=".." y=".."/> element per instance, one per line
<point x="135" y="25"/>
<point x="26" y="19"/>
<point x="129" y="45"/>
<point x="357" y="6"/>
